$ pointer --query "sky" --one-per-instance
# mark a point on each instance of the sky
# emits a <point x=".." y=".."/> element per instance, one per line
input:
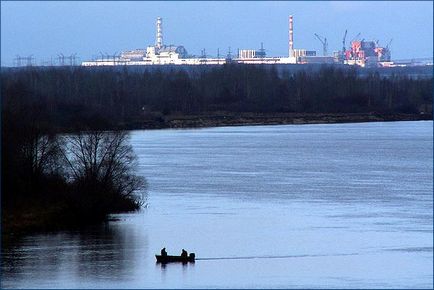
<point x="46" y="29"/>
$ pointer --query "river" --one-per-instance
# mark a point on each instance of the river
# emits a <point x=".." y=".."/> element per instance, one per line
<point x="293" y="206"/>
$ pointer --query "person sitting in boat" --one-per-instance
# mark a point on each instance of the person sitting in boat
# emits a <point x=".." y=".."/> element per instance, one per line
<point x="184" y="253"/>
<point x="163" y="252"/>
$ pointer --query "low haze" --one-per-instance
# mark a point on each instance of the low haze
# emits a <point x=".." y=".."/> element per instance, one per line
<point x="45" y="29"/>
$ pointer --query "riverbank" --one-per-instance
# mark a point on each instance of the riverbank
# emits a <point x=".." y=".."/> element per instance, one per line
<point x="221" y="119"/>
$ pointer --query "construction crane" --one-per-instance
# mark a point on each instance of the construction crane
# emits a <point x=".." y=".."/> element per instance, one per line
<point x="323" y="40"/>
<point x="343" y="41"/>
<point x="342" y="54"/>
<point x="388" y="44"/>
<point x="356" y="37"/>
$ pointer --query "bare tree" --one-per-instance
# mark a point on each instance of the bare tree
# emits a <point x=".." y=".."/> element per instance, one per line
<point x="105" y="159"/>
<point x="41" y="152"/>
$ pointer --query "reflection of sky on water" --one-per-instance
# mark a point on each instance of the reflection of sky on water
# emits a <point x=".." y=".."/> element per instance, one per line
<point x="345" y="205"/>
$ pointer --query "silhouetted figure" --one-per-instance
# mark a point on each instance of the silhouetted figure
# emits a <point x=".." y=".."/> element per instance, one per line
<point x="184" y="253"/>
<point x="163" y="252"/>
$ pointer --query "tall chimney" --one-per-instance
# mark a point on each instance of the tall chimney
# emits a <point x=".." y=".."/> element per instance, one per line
<point x="159" y="42"/>
<point x="291" y="37"/>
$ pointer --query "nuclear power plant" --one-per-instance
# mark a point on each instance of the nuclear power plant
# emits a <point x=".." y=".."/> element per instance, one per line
<point x="360" y="52"/>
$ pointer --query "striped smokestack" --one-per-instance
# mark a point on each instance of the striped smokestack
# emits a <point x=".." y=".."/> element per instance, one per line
<point x="159" y="38"/>
<point x="291" y="37"/>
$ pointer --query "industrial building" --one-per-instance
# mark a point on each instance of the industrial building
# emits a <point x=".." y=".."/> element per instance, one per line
<point x="361" y="53"/>
<point x="367" y="54"/>
<point x="161" y="54"/>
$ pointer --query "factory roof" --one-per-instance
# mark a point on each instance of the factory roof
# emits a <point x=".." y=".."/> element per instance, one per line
<point x="173" y="48"/>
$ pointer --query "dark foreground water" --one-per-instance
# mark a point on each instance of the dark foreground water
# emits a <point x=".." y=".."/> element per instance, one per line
<point x="345" y="205"/>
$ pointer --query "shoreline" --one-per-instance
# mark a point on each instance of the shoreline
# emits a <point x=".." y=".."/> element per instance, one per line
<point x="38" y="220"/>
<point x="225" y="119"/>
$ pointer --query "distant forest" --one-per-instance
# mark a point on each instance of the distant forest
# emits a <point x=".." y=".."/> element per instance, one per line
<point x="104" y="98"/>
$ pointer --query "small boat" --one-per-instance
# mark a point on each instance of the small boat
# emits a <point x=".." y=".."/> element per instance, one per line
<point x="175" y="259"/>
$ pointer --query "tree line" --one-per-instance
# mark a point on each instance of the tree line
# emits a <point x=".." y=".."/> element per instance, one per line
<point x="108" y="97"/>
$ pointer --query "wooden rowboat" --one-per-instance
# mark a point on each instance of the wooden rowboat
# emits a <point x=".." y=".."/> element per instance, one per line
<point x="175" y="259"/>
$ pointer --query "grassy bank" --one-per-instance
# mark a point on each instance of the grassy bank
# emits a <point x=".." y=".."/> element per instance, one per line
<point x="158" y="121"/>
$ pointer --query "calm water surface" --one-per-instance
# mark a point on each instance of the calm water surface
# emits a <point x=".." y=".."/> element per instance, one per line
<point x="306" y="206"/>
